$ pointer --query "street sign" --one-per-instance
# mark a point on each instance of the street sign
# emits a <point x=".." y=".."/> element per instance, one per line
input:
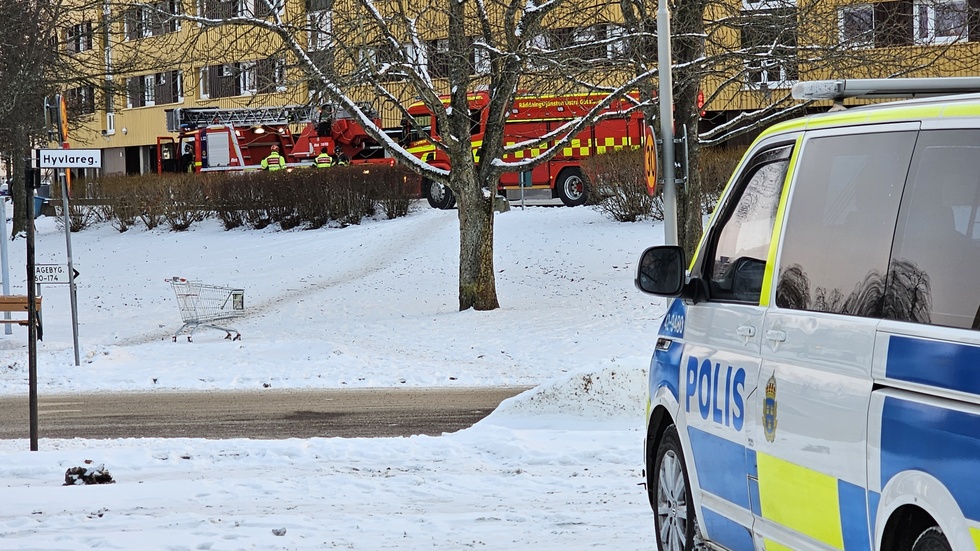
<point x="70" y="158"/>
<point x="51" y="273"/>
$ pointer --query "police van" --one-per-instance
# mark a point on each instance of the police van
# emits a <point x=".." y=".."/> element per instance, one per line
<point x="816" y="379"/>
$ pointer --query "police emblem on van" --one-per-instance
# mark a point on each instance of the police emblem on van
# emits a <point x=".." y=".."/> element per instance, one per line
<point x="769" y="410"/>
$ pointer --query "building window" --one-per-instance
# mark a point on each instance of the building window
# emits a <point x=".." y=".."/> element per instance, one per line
<point x="161" y="17"/>
<point x="149" y="89"/>
<point x="78" y="38"/>
<point x="857" y="25"/>
<point x="769" y="43"/>
<point x="588" y="43"/>
<point x="217" y="9"/>
<point x="151" y="20"/>
<point x="154" y="89"/>
<point x="243" y="78"/>
<point x="616" y="48"/>
<point x="439" y="59"/>
<point x="257" y="8"/>
<point x="320" y="28"/>
<point x="81" y="100"/>
<point x="203" y="83"/>
<point x="481" y="59"/>
<point x="270" y="75"/>
<point x="246" y="78"/>
<point x="135" y="23"/>
<point x="940" y="21"/>
<point x="390" y="63"/>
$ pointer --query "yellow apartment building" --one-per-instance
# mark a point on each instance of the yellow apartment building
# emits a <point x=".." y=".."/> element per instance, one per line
<point x="158" y="63"/>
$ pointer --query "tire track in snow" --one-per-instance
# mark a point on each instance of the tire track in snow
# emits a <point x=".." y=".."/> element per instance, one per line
<point x="407" y="236"/>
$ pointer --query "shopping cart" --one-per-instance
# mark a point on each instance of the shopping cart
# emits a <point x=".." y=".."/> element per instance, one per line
<point x="201" y="305"/>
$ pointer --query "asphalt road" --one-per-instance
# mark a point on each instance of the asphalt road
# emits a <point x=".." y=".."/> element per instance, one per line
<point x="265" y="414"/>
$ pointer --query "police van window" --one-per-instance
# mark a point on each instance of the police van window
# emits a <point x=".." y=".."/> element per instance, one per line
<point x="842" y="214"/>
<point x="738" y="260"/>
<point x="936" y="259"/>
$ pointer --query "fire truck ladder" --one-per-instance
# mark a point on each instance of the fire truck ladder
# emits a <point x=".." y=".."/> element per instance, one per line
<point x="198" y="117"/>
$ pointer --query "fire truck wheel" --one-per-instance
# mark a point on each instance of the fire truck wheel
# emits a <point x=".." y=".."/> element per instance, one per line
<point x="439" y="196"/>
<point x="572" y="188"/>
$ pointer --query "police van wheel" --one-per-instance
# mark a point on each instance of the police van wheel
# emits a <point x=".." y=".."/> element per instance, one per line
<point x="673" y="507"/>
<point x="571" y="187"/>
<point x="439" y="196"/>
<point x="932" y="539"/>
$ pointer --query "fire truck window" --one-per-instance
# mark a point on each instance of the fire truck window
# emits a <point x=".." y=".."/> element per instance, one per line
<point x="421" y="129"/>
<point x="475" y="121"/>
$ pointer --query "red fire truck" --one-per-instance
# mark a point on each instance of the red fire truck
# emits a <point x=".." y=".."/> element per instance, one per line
<point x="531" y="117"/>
<point x="214" y="139"/>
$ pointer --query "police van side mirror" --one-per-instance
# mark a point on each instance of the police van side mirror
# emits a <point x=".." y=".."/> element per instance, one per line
<point x="661" y="271"/>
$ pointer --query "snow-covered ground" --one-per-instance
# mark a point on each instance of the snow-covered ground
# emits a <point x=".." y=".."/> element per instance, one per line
<point x="374" y="305"/>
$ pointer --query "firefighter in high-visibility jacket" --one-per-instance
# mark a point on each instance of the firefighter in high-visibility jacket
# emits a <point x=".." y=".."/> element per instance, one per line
<point x="324" y="160"/>
<point x="274" y="161"/>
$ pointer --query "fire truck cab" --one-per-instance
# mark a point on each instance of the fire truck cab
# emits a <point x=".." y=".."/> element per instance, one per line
<point x="530" y="117"/>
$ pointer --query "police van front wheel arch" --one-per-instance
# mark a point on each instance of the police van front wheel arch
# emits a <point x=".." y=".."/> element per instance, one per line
<point x="931" y="539"/>
<point x="438" y="195"/>
<point x="670" y="489"/>
<point x="571" y="187"/>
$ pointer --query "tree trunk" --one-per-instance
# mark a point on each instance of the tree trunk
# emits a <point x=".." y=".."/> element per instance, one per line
<point x="17" y="190"/>
<point x="477" y="285"/>
<point x="689" y="47"/>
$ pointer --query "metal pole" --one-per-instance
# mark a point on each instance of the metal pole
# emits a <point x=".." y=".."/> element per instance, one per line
<point x="71" y="267"/>
<point x="4" y="259"/>
<point x="32" y="179"/>
<point x="667" y="122"/>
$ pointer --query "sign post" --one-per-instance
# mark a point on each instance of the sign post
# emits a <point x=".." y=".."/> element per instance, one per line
<point x="66" y="159"/>
<point x="32" y="179"/>
<point x="667" y="122"/>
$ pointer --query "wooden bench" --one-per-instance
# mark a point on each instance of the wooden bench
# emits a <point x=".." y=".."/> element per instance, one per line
<point x="18" y="303"/>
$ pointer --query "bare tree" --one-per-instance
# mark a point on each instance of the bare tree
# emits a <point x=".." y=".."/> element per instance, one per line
<point x="25" y="54"/>
<point x="52" y="47"/>
<point x="368" y="50"/>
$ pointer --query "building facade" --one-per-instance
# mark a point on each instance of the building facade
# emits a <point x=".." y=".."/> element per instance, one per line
<point x="159" y="56"/>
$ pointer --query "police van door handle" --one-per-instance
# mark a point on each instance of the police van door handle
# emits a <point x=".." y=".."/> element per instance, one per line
<point x="746" y="331"/>
<point x="776" y="335"/>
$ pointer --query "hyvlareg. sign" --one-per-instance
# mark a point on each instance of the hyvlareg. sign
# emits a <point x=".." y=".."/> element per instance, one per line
<point x="70" y="158"/>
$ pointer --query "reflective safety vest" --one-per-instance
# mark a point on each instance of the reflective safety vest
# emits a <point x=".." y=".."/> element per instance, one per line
<point x="273" y="162"/>
<point x="324" y="160"/>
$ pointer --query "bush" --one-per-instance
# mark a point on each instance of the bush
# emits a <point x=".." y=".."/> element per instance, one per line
<point x="295" y="198"/>
<point x="620" y="186"/>
<point x="119" y="207"/>
<point x="81" y="214"/>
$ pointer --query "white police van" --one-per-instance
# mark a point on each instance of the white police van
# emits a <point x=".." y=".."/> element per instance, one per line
<point x="816" y="380"/>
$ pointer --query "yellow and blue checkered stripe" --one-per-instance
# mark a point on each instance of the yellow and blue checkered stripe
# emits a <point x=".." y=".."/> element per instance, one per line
<point x="827" y="509"/>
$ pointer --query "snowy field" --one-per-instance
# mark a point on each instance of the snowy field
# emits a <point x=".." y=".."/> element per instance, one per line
<point x="374" y="305"/>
